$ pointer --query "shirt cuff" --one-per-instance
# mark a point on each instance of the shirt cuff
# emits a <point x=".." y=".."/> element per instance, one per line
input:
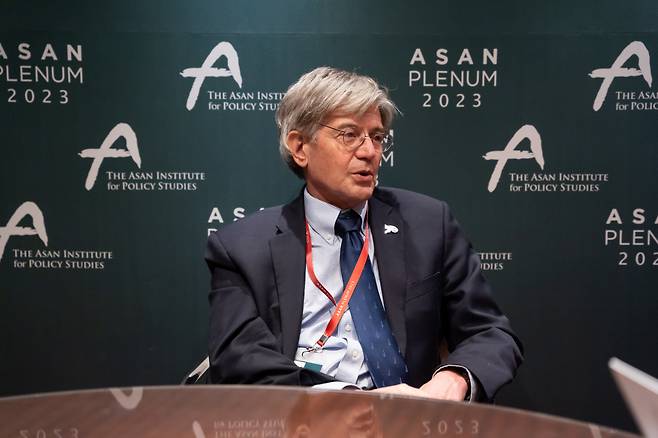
<point x="472" y="392"/>
<point x="335" y="385"/>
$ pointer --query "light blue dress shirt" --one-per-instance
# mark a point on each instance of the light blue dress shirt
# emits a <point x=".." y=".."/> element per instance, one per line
<point x="342" y="356"/>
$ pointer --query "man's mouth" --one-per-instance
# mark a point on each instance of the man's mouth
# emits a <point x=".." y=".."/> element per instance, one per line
<point x="364" y="176"/>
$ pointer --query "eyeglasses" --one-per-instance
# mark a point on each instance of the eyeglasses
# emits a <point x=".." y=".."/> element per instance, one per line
<point x="352" y="139"/>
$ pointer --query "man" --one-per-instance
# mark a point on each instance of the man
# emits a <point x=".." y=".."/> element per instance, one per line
<point x="351" y="285"/>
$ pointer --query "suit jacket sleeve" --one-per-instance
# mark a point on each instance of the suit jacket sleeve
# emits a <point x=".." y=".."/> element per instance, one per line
<point x="242" y="348"/>
<point x="478" y="335"/>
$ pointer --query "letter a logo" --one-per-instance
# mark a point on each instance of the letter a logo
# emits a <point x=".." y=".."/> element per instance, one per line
<point x="617" y="70"/>
<point x="12" y="229"/>
<point x="207" y="70"/>
<point x="509" y="153"/>
<point x="105" y="151"/>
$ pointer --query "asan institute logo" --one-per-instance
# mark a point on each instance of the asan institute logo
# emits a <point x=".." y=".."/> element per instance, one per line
<point x="46" y="259"/>
<point x="158" y="180"/>
<point x="628" y="99"/>
<point x="222" y="49"/>
<point x="537" y="181"/>
<point x="528" y="132"/>
<point x="121" y="130"/>
<point x="224" y="100"/>
<point x="12" y="229"/>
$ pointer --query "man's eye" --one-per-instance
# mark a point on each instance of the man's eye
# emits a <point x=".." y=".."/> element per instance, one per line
<point x="350" y="135"/>
<point x="378" y="137"/>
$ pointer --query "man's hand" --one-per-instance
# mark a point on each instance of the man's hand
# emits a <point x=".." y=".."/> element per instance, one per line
<point x="445" y="385"/>
<point x="401" y="389"/>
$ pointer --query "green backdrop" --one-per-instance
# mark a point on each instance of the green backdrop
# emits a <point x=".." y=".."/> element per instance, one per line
<point x="107" y="286"/>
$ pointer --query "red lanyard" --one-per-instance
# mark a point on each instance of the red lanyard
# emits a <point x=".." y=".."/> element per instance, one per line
<point x="349" y="288"/>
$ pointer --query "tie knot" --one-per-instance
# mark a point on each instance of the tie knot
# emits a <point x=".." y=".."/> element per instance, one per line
<point x="347" y="221"/>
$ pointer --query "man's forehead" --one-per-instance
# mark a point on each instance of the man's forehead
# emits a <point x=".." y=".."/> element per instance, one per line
<point x="372" y="118"/>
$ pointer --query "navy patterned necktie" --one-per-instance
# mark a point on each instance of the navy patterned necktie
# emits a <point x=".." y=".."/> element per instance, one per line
<point x="381" y="351"/>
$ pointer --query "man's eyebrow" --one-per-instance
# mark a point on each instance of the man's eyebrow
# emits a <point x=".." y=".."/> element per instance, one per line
<point x="345" y="125"/>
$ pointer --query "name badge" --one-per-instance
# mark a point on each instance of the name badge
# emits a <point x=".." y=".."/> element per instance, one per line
<point x="308" y="359"/>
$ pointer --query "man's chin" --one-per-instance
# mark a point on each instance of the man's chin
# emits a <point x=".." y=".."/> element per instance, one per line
<point x="361" y="195"/>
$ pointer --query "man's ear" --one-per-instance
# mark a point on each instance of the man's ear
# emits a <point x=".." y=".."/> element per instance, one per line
<point x="295" y="142"/>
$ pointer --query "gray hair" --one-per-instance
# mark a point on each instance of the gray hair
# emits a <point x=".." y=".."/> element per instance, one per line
<point x="321" y="92"/>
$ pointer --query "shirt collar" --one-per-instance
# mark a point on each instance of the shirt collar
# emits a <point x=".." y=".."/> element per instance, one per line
<point x="321" y="216"/>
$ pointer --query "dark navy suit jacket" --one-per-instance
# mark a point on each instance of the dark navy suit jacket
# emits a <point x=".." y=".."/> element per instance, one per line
<point x="431" y="283"/>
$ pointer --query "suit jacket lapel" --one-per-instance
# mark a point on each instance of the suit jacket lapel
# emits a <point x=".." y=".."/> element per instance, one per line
<point x="287" y="249"/>
<point x="389" y="251"/>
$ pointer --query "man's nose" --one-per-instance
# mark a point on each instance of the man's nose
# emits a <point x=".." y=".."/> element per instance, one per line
<point x="367" y="148"/>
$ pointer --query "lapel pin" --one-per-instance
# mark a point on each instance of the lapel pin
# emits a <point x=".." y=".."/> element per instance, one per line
<point x="390" y="229"/>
